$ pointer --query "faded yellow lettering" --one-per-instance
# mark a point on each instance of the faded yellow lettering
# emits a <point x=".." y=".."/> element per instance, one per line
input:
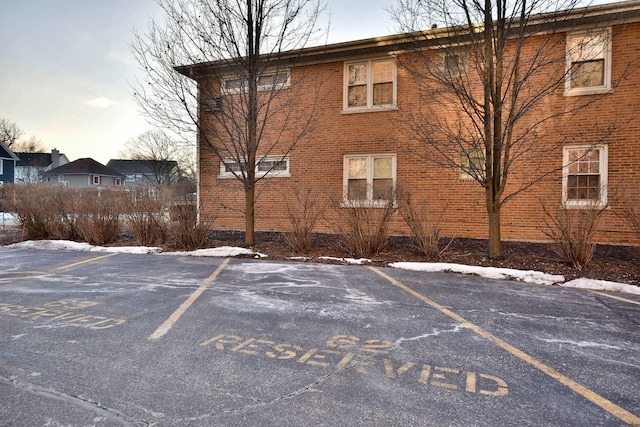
<point x="211" y="340"/>
<point x="424" y="374"/>
<point x="502" y="386"/>
<point x="283" y="353"/>
<point x="471" y="382"/>
<point x="345" y="360"/>
<point x="376" y="346"/>
<point x="443" y="377"/>
<point x="319" y="355"/>
<point x="343" y="341"/>
<point x="244" y="344"/>
<point x="391" y="372"/>
<point x="106" y="324"/>
<point x="308" y="355"/>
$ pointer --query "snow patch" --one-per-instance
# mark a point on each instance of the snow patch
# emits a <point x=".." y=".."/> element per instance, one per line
<point x="352" y="261"/>
<point x="602" y="285"/>
<point x="529" y="276"/>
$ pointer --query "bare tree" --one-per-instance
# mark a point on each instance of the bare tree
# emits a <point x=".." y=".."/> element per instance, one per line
<point x="9" y="132"/>
<point x="160" y="154"/>
<point x="485" y="80"/>
<point x="29" y="145"/>
<point x="246" y="103"/>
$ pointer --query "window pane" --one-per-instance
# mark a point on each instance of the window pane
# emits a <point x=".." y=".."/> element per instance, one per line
<point x="382" y="93"/>
<point x="383" y="189"/>
<point x="587" y="73"/>
<point x="357" y="74"/>
<point x="265" y="165"/>
<point x="231" y="167"/>
<point x="357" y="189"/>
<point x="357" y="96"/>
<point x="382" y="167"/>
<point x="266" y="80"/>
<point x="382" y="71"/>
<point x="358" y="168"/>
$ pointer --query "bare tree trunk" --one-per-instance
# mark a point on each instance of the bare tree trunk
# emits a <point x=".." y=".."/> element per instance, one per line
<point x="249" y="193"/>
<point x="495" y="238"/>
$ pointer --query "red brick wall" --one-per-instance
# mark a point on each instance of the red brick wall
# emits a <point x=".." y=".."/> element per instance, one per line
<point x="317" y="160"/>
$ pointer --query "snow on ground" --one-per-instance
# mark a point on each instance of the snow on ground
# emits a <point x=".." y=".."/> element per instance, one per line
<point x="530" y="276"/>
<point x="222" y="251"/>
<point x="488" y="272"/>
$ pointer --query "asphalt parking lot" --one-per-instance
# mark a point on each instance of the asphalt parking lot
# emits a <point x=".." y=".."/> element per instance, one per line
<point x="95" y="339"/>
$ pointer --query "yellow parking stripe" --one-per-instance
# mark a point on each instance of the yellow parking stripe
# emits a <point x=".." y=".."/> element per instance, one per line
<point x="630" y="301"/>
<point x="167" y="324"/>
<point x="605" y="404"/>
<point x="86" y="261"/>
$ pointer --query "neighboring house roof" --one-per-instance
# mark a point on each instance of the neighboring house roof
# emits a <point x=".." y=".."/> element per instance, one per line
<point x="6" y="153"/>
<point x="34" y="159"/>
<point x="85" y="166"/>
<point x="147" y="167"/>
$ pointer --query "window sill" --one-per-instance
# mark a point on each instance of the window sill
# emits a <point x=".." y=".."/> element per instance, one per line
<point x="571" y="205"/>
<point x="357" y="110"/>
<point x="258" y="175"/>
<point x="378" y="204"/>
<point x="587" y="91"/>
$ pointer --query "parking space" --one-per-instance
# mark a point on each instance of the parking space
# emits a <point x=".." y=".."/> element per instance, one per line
<point x="151" y="339"/>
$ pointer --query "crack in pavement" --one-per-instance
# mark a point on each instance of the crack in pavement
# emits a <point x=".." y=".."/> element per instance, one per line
<point x="80" y="401"/>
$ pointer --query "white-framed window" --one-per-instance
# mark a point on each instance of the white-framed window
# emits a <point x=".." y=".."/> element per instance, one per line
<point x="60" y="178"/>
<point x="369" y="84"/>
<point x="1" y="166"/>
<point x="588" y="62"/>
<point x="273" y="80"/>
<point x="453" y="62"/>
<point x="118" y="181"/>
<point x="472" y="163"/>
<point x="369" y="178"/>
<point x="584" y="176"/>
<point x="96" y="180"/>
<point x="276" y="166"/>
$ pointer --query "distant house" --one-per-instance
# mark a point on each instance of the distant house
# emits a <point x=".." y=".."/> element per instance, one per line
<point x="31" y="166"/>
<point x="84" y="172"/>
<point x="147" y="172"/>
<point x="8" y="161"/>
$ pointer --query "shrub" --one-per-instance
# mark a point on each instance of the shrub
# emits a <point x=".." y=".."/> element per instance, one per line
<point x="424" y="225"/>
<point x="630" y="207"/>
<point x="303" y="211"/>
<point x="573" y="231"/>
<point x="364" y="226"/>
<point x="144" y="213"/>
<point x="98" y="220"/>
<point x="188" y="229"/>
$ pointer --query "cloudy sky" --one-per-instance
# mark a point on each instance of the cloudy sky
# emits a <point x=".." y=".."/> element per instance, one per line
<point x="65" y="67"/>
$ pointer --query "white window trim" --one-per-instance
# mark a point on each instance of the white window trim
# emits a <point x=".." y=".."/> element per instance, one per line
<point x="369" y="107"/>
<point x="462" y="53"/>
<point x="118" y="181"/>
<point x="93" y="181"/>
<point x="369" y="203"/>
<point x="604" y="176"/>
<point x="2" y="167"/>
<point x="592" y="90"/>
<point x="260" y="174"/>
<point x="261" y="88"/>
<point x="60" y="178"/>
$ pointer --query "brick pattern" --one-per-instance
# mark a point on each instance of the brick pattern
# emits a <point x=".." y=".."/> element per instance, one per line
<point x="317" y="160"/>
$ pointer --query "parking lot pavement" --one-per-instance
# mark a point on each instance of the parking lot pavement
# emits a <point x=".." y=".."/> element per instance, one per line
<point x="94" y="339"/>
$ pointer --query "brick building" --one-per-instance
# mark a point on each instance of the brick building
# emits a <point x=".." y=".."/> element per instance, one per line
<point x="360" y="142"/>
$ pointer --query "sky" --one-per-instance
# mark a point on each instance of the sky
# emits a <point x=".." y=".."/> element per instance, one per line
<point x="66" y="67"/>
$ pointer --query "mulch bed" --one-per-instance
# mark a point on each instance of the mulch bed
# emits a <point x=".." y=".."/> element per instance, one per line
<point x="613" y="263"/>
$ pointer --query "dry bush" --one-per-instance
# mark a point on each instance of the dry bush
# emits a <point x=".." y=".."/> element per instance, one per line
<point x="64" y="223"/>
<point x="144" y="213"/>
<point x="188" y="229"/>
<point x="36" y="208"/>
<point x="629" y="201"/>
<point x="98" y="220"/>
<point x="573" y="231"/>
<point x="364" y="226"/>
<point x="424" y="224"/>
<point x="303" y="211"/>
